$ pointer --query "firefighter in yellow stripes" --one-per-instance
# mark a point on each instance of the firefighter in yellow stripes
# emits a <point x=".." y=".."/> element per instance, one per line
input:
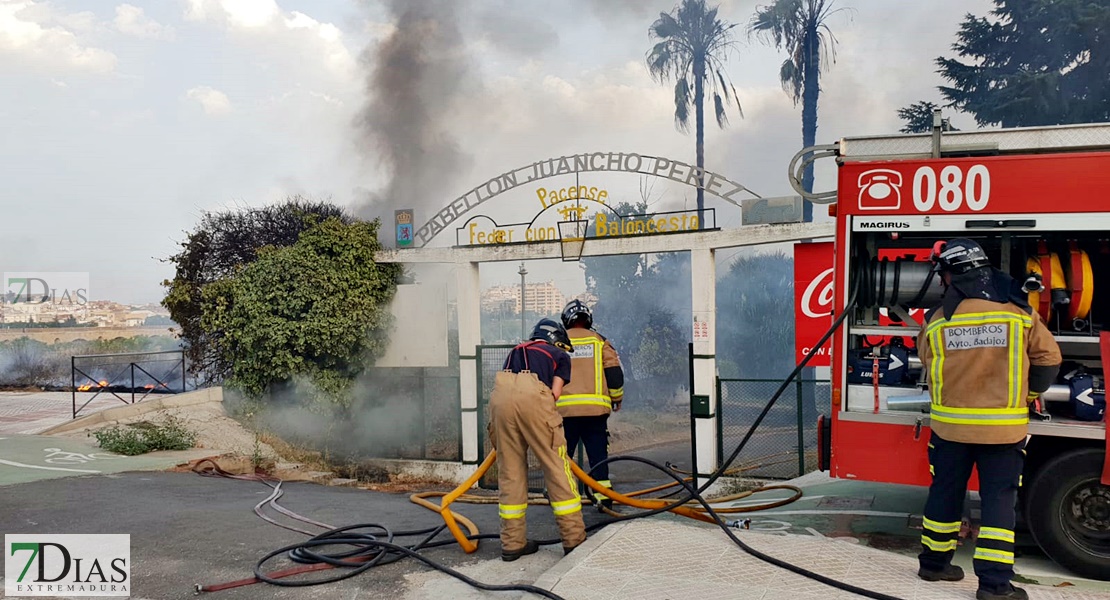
<point x="987" y="355"/>
<point x="597" y="389"/>
<point x="522" y="416"/>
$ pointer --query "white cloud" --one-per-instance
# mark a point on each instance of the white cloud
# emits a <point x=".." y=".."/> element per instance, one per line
<point x="236" y="13"/>
<point x="214" y="102"/>
<point x="31" y="33"/>
<point x="299" y="33"/>
<point x="131" y="20"/>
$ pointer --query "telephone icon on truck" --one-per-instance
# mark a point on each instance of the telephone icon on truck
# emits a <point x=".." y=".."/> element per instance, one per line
<point x="880" y="189"/>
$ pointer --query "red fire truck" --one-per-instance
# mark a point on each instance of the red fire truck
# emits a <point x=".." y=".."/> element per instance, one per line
<point x="1038" y="201"/>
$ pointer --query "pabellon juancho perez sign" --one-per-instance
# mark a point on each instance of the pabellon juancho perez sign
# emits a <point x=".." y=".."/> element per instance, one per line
<point x="579" y="203"/>
<point x="674" y="170"/>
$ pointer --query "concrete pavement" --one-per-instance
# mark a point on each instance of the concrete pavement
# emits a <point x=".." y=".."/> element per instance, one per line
<point x="35" y="412"/>
<point x="658" y="559"/>
<point x="188" y="529"/>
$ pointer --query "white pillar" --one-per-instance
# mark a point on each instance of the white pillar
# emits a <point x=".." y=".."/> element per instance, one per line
<point x="703" y="275"/>
<point x="468" y="307"/>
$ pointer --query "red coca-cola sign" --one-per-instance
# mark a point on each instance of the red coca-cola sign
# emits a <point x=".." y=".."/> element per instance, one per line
<point x="813" y="301"/>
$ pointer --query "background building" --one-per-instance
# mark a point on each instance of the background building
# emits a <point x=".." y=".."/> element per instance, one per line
<point x="540" y="298"/>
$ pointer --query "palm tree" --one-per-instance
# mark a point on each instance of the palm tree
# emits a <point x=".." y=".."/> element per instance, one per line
<point x="691" y="51"/>
<point x="800" y="27"/>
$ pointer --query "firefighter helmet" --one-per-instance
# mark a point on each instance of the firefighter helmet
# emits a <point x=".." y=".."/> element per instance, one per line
<point x="958" y="256"/>
<point x="553" y="333"/>
<point x="576" y="309"/>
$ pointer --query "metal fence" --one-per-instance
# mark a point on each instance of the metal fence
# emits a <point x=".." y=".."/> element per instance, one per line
<point x="130" y="377"/>
<point x="663" y="435"/>
<point x="785" y="445"/>
<point x="491" y="358"/>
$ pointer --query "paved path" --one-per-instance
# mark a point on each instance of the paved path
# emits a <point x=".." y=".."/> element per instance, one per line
<point x="885" y="517"/>
<point x="26" y="458"/>
<point x="34" y="412"/>
<point x="668" y="559"/>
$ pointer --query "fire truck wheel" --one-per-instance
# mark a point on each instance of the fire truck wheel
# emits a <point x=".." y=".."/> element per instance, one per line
<point x="1068" y="512"/>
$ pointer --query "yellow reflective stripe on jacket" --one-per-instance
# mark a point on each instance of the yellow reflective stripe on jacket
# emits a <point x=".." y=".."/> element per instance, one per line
<point x="616" y="393"/>
<point x="979" y="416"/>
<point x="932" y="544"/>
<point x="1000" y="556"/>
<point x="511" y="511"/>
<point x="935" y="377"/>
<point x="1017" y="367"/>
<point x="583" y="399"/>
<point x="931" y="525"/>
<point x="566" y="507"/>
<point x="994" y="533"/>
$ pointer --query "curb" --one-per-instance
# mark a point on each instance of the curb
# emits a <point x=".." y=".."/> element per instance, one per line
<point x="555" y="574"/>
<point x="114" y="415"/>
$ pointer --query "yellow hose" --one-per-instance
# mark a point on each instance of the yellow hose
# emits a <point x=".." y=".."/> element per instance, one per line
<point x="692" y="510"/>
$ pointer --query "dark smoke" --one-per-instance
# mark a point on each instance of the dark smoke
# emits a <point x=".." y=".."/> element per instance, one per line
<point x="416" y="77"/>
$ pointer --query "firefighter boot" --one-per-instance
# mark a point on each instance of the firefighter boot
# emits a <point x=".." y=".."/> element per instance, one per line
<point x="602" y="502"/>
<point x="950" y="573"/>
<point x="530" y="547"/>
<point x="1013" y="593"/>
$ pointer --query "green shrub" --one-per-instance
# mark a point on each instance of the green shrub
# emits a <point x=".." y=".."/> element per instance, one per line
<point x="144" y="437"/>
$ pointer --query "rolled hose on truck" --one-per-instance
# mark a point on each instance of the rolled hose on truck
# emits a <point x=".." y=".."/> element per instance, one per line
<point x="374" y="544"/>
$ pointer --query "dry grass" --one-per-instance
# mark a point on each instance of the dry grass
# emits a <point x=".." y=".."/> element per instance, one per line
<point x="293" y="453"/>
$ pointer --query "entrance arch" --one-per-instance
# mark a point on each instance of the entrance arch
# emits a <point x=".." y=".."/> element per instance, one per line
<point x="701" y="243"/>
<point x="591" y="162"/>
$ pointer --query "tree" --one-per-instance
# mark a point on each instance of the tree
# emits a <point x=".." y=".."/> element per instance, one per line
<point x="755" y="326"/>
<point x="222" y="244"/>
<point x="642" y="301"/>
<point x="691" y="51"/>
<point x="1032" y="63"/>
<point x="316" y="309"/>
<point x="800" y="27"/>
<point x="919" y="118"/>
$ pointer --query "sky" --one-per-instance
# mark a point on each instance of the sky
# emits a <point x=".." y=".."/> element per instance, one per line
<point x="122" y="123"/>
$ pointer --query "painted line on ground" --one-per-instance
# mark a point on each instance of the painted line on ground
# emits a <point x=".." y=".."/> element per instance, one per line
<point x="857" y="513"/>
<point x="15" y="464"/>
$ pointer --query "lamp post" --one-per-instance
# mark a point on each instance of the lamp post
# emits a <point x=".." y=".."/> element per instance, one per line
<point x="522" y="272"/>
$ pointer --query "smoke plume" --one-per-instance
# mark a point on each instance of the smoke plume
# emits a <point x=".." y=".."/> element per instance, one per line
<point x="416" y="76"/>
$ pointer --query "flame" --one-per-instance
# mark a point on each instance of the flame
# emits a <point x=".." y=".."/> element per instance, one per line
<point x="84" y="388"/>
<point x="103" y="383"/>
<point x="148" y="386"/>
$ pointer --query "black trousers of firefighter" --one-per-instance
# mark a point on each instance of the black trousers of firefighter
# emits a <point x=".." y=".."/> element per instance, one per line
<point x="999" y="467"/>
<point x="594" y="434"/>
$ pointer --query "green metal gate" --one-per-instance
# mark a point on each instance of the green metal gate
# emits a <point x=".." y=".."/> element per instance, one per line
<point x="785" y="444"/>
<point x="491" y="359"/>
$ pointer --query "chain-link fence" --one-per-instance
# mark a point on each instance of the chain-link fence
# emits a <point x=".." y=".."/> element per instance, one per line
<point x="785" y="445"/>
<point x="490" y="360"/>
